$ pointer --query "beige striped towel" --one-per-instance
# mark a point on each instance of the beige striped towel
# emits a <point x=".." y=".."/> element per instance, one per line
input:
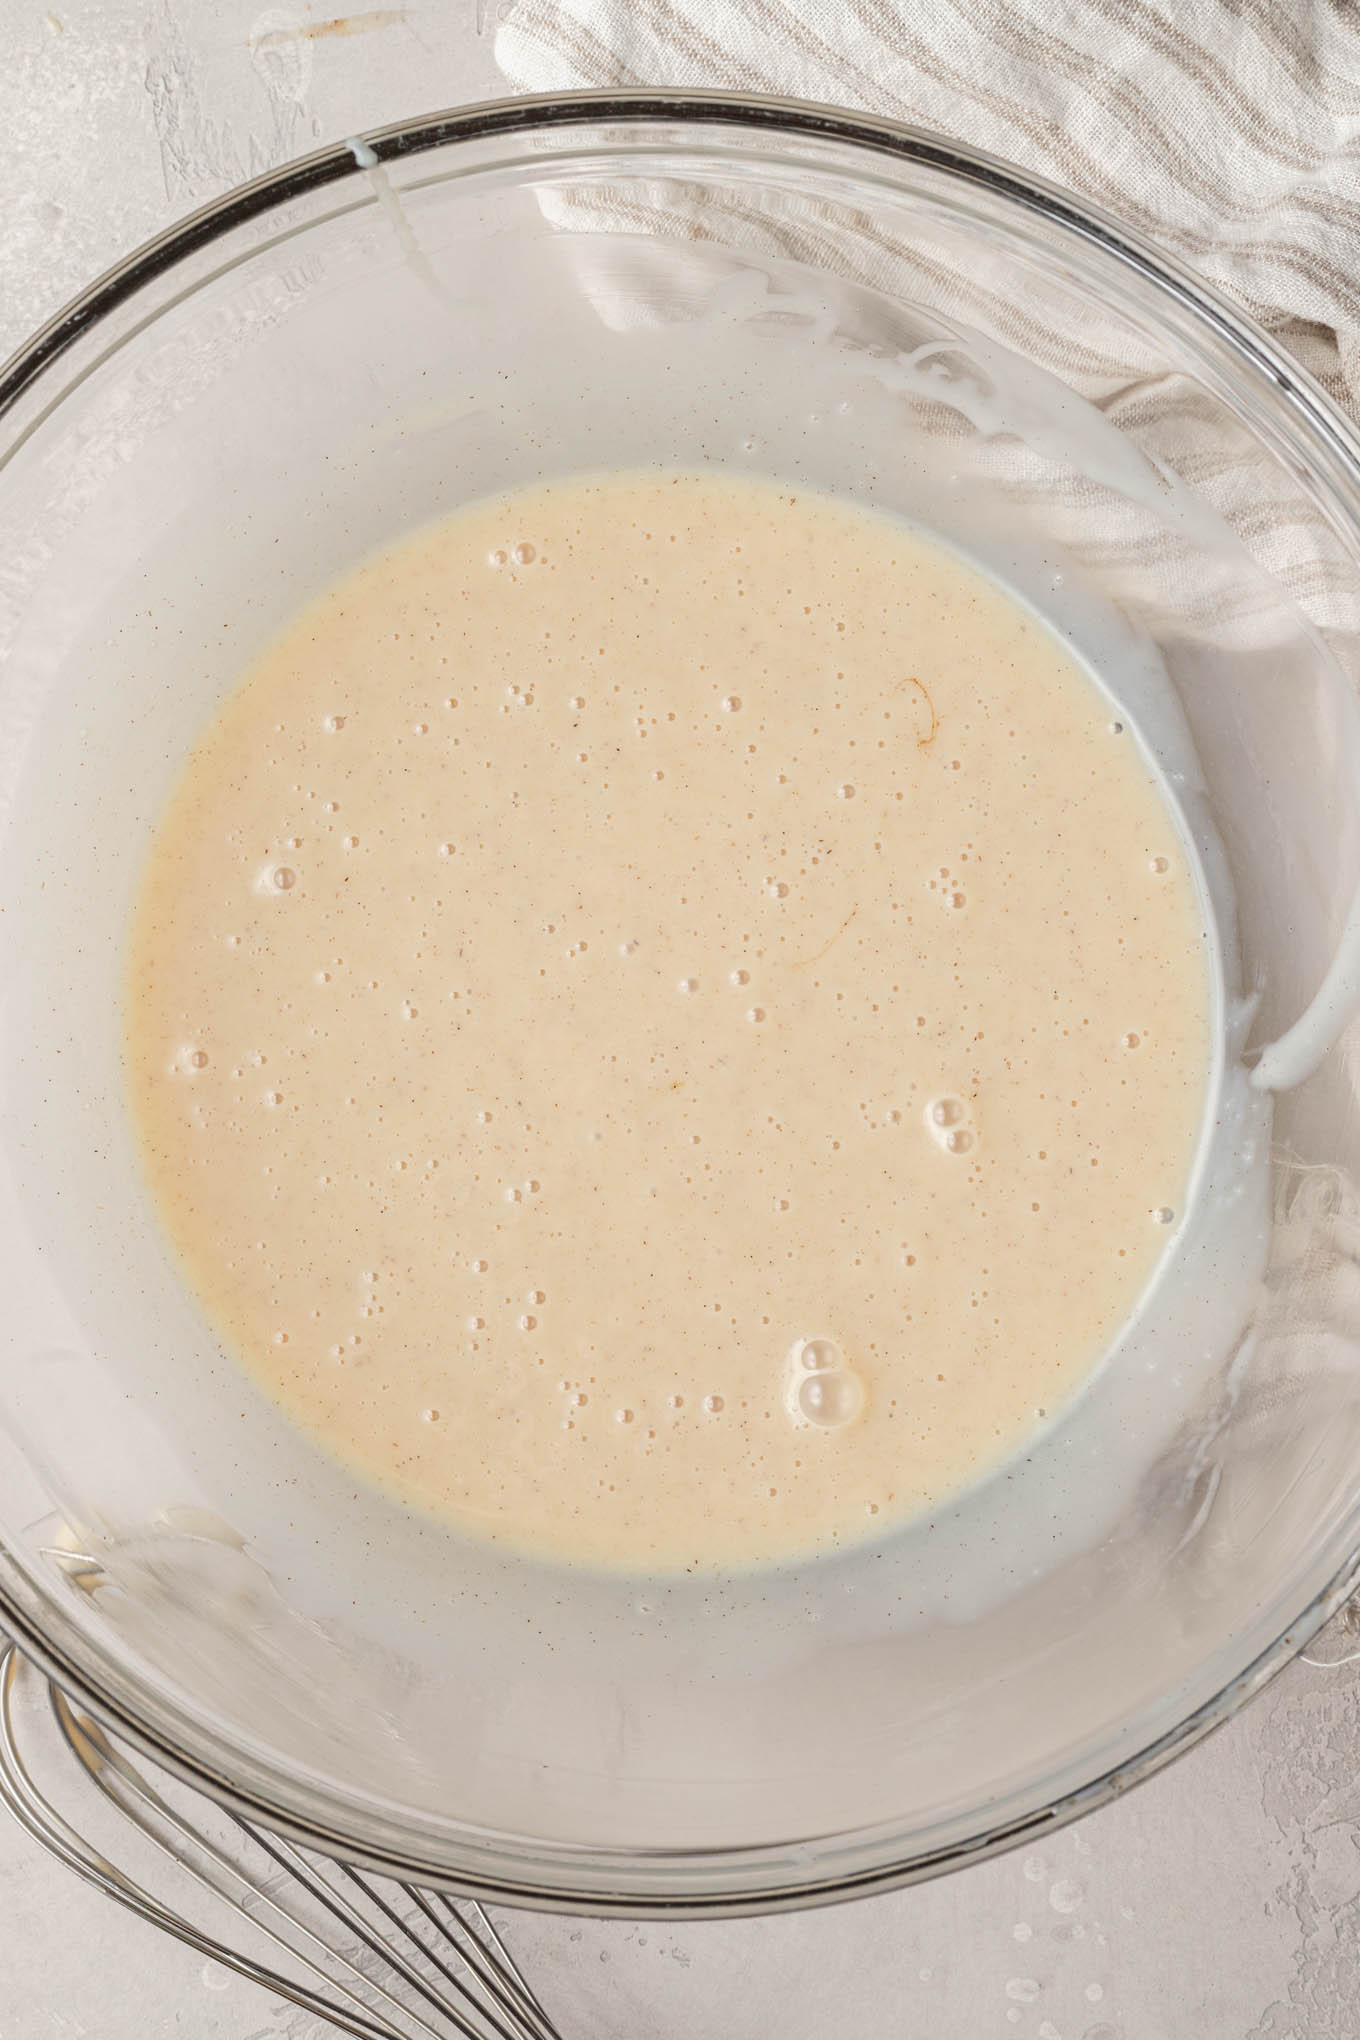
<point x="1227" y="131"/>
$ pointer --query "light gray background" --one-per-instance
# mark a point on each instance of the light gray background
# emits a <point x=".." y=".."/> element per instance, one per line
<point x="1221" y="1901"/>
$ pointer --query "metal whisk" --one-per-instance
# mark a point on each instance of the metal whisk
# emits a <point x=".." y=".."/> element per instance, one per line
<point x="382" y="1960"/>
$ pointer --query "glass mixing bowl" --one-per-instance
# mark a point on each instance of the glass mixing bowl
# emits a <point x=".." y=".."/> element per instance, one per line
<point x="374" y="336"/>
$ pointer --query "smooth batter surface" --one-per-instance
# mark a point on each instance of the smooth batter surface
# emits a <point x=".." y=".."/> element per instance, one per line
<point x="627" y="933"/>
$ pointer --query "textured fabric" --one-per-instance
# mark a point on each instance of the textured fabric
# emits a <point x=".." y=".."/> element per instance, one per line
<point x="1227" y="130"/>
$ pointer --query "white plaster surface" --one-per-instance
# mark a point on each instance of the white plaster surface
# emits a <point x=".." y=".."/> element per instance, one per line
<point x="1221" y="1901"/>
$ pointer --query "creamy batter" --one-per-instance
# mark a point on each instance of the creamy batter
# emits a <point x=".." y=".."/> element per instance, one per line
<point x="668" y="1022"/>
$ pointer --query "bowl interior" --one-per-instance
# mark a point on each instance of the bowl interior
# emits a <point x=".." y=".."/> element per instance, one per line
<point x="519" y="293"/>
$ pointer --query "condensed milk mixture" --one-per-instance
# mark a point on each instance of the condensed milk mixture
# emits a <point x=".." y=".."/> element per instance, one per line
<point x="668" y="1021"/>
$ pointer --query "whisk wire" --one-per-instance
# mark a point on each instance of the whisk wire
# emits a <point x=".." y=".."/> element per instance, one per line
<point x="474" y="1988"/>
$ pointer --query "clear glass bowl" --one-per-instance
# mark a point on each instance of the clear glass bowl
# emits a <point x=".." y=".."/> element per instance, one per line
<point x="374" y="336"/>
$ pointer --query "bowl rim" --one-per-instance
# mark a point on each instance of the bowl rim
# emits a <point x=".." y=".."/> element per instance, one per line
<point x="74" y="1664"/>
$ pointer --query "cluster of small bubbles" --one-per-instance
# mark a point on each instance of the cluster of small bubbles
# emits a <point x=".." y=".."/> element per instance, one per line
<point x="739" y="977"/>
<point x="524" y="554"/>
<point x="1164" y="1215"/>
<point x="1159" y="865"/>
<point x="335" y="723"/>
<point x="826" y="1391"/>
<point x="284" y="877"/>
<point x="945" y="1119"/>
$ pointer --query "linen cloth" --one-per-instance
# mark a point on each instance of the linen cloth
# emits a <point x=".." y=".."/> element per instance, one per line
<point x="1228" y="131"/>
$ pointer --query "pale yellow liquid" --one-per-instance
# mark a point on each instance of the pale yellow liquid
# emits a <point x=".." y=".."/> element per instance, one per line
<point x="631" y="930"/>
